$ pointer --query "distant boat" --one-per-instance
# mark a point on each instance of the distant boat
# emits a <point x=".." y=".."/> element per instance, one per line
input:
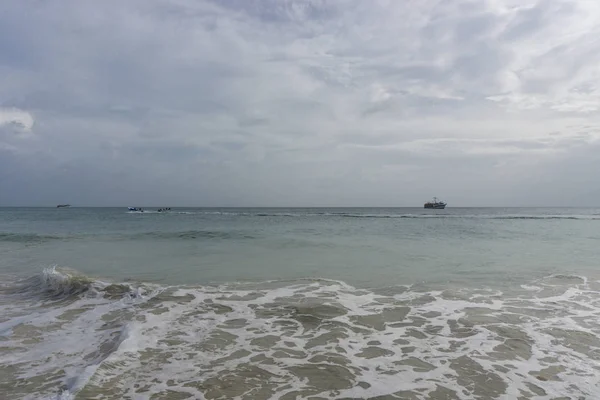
<point x="63" y="205"/>
<point x="438" y="205"/>
<point x="135" y="209"/>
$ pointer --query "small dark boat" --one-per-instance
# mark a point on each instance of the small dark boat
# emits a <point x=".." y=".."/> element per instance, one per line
<point x="435" y="204"/>
<point x="63" y="205"/>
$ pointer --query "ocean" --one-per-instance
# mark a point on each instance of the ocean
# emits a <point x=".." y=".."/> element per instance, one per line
<point x="396" y="303"/>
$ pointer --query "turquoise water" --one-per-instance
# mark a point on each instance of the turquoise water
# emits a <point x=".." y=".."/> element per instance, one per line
<point x="264" y="303"/>
<point x="364" y="247"/>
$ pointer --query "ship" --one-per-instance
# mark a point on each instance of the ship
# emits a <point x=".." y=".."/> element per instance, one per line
<point x="438" y="205"/>
<point x="63" y="205"/>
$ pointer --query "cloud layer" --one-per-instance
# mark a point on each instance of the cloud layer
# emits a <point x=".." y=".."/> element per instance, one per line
<point x="304" y="102"/>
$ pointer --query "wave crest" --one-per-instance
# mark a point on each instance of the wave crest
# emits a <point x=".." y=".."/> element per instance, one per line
<point x="26" y="237"/>
<point x="193" y="234"/>
<point x="59" y="283"/>
<point x="55" y="283"/>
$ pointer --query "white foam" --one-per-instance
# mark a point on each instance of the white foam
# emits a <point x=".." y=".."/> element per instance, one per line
<point x="153" y="343"/>
<point x="532" y="288"/>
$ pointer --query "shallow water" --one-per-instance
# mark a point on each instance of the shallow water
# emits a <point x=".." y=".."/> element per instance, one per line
<point x="286" y="304"/>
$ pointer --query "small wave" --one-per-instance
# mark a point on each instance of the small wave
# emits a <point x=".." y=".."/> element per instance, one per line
<point x="458" y="216"/>
<point x="27" y="237"/>
<point x="163" y="212"/>
<point x="55" y="283"/>
<point x="565" y="279"/>
<point x="58" y="283"/>
<point x="571" y="217"/>
<point x="408" y="216"/>
<point x="32" y="239"/>
<point x="192" y="234"/>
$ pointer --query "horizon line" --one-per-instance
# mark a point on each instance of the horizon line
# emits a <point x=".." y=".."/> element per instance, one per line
<point x="248" y="206"/>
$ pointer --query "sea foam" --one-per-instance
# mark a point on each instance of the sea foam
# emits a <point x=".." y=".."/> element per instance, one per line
<point x="306" y="338"/>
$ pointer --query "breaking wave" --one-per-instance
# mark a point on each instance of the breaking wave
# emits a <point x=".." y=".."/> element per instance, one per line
<point x="56" y="283"/>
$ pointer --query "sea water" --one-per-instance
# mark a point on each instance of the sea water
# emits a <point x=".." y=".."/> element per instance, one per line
<point x="299" y="303"/>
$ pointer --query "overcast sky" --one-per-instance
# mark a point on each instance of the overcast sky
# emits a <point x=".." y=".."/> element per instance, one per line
<point x="300" y="103"/>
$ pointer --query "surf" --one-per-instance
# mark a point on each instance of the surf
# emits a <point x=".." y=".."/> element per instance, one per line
<point x="306" y="337"/>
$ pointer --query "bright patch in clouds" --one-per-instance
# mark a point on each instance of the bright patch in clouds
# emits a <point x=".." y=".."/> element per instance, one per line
<point x="299" y="102"/>
<point x="16" y="118"/>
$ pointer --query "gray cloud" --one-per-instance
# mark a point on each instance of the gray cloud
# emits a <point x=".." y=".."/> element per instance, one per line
<point x="299" y="102"/>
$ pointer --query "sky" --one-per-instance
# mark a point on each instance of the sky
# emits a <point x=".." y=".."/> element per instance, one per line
<point x="300" y="102"/>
